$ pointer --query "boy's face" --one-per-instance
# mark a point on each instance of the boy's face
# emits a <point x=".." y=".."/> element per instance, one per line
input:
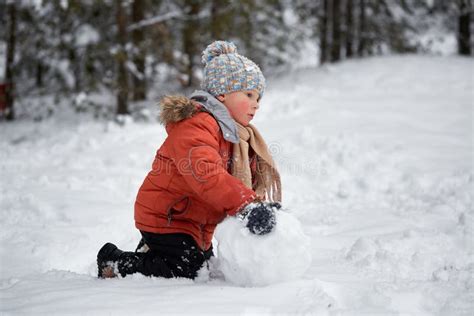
<point x="242" y="105"/>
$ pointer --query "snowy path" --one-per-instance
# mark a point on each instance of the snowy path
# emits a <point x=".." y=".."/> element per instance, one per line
<point x="376" y="158"/>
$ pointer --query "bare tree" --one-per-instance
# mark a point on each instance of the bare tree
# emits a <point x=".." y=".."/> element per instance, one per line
<point x="10" y="87"/>
<point x="121" y="58"/>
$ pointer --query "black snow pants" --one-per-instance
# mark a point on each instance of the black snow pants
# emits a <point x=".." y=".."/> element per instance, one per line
<point x="171" y="255"/>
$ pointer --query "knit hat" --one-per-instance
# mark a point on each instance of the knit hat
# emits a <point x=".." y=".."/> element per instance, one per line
<point x="226" y="71"/>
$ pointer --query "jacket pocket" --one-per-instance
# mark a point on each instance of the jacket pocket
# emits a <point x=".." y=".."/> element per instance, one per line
<point x="178" y="208"/>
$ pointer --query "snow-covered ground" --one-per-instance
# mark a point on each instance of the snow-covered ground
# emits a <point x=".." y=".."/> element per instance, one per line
<point x="376" y="157"/>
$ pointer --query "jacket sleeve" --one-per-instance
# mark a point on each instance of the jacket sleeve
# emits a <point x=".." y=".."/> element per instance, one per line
<point x="195" y="152"/>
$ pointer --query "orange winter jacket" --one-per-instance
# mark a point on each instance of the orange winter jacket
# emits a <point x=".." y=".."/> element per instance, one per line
<point x="189" y="189"/>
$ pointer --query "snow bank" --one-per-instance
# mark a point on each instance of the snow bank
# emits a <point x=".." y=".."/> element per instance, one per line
<point x="249" y="260"/>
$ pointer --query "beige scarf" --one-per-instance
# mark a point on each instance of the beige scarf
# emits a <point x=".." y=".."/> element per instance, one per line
<point x="268" y="183"/>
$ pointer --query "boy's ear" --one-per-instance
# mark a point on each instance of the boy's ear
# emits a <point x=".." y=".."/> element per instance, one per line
<point x="221" y="97"/>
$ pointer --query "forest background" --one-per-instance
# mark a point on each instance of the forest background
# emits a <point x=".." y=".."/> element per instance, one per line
<point x="108" y="57"/>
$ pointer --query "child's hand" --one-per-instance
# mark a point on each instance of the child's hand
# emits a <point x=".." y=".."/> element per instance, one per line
<point x="260" y="217"/>
<point x="276" y="205"/>
<point x="260" y="199"/>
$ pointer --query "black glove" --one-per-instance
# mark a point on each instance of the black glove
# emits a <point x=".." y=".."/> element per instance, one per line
<point x="275" y="205"/>
<point x="260" y="217"/>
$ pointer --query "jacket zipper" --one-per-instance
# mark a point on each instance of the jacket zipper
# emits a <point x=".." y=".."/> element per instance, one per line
<point x="170" y="208"/>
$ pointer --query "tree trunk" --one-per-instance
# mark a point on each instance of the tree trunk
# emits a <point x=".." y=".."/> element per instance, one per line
<point x="139" y="82"/>
<point x="247" y="28"/>
<point x="189" y="38"/>
<point x="323" y="43"/>
<point x="39" y="67"/>
<point x="362" y="29"/>
<point x="121" y="57"/>
<point x="349" y="29"/>
<point x="76" y="68"/>
<point x="216" y="20"/>
<point x="10" y="88"/>
<point x="336" y="31"/>
<point x="374" y="45"/>
<point x="464" y="32"/>
<point x="39" y="75"/>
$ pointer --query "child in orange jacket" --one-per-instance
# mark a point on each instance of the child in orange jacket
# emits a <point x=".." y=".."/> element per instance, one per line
<point x="213" y="164"/>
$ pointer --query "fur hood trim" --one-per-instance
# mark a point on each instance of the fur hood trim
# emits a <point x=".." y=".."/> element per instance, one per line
<point x="175" y="108"/>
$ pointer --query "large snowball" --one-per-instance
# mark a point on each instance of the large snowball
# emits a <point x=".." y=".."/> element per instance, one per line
<point x="250" y="260"/>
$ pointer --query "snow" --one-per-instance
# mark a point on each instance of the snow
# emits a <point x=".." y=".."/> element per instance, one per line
<point x="86" y="35"/>
<point x="376" y="161"/>
<point x="155" y="20"/>
<point x="249" y="260"/>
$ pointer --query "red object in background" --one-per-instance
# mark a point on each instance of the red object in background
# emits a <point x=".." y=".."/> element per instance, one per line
<point x="3" y="96"/>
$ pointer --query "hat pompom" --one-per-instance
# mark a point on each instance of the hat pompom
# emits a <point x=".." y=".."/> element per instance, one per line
<point x="218" y="48"/>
